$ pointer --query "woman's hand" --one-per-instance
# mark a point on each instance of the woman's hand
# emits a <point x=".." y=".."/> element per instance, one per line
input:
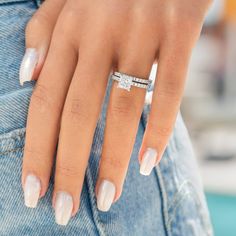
<point x="72" y="46"/>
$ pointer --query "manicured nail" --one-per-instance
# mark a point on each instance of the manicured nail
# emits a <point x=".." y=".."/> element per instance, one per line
<point x="28" y="65"/>
<point x="148" y="161"/>
<point x="32" y="189"/>
<point x="63" y="208"/>
<point x="106" y="194"/>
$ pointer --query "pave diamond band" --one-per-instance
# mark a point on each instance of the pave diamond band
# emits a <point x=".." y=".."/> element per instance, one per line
<point x="126" y="81"/>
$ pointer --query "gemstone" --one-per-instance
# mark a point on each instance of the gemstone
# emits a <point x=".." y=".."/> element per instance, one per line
<point x="125" y="82"/>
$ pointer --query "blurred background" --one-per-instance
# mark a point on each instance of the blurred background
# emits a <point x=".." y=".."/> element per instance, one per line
<point x="209" y="110"/>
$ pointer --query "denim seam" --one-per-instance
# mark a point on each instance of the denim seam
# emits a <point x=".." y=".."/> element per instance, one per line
<point x="164" y="200"/>
<point x="12" y="150"/>
<point x="172" y="145"/>
<point x="10" y="93"/>
<point x="176" y="196"/>
<point x="176" y="202"/>
<point x="97" y="221"/>
<point x="15" y="137"/>
<point x="179" y="199"/>
<point x="162" y="188"/>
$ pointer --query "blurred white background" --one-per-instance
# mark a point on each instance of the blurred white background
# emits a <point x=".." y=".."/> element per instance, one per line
<point x="209" y="110"/>
<point x="209" y="105"/>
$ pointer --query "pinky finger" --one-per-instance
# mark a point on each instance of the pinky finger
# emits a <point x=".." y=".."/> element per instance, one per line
<point x="167" y="94"/>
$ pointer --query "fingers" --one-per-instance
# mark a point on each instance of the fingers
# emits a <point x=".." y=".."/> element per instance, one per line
<point x="123" y="115"/>
<point x="79" y="119"/>
<point x="44" y="118"/>
<point x="38" y="36"/>
<point x="167" y="94"/>
<point x="124" y="111"/>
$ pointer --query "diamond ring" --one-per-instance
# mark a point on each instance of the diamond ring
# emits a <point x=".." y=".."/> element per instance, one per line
<point x="126" y="81"/>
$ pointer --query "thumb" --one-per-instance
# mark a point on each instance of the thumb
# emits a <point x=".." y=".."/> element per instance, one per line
<point x="37" y="37"/>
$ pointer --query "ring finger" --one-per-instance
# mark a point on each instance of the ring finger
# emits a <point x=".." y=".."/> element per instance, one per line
<point x="123" y="116"/>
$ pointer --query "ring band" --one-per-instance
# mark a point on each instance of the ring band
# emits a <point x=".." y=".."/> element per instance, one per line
<point x="126" y="81"/>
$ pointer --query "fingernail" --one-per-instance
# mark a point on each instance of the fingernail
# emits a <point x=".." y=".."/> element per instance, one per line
<point x="148" y="161"/>
<point x="32" y="189"/>
<point x="106" y="194"/>
<point x="28" y="65"/>
<point x="63" y="208"/>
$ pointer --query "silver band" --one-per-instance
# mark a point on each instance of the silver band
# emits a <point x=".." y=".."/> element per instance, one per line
<point x="126" y="81"/>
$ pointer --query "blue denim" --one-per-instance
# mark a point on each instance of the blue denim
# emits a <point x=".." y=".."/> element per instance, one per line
<point x="170" y="202"/>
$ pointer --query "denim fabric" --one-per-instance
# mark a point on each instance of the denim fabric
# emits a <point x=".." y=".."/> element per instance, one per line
<point x="170" y="202"/>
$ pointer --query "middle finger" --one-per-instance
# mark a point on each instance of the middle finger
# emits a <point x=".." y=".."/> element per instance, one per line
<point x="79" y="119"/>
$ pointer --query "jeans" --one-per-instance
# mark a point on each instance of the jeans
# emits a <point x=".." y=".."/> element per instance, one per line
<point x="170" y="202"/>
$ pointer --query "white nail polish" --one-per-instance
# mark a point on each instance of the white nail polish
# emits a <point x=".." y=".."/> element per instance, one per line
<point x="28" y="65"/>
<point x="63" y="208"/>
<point x="148" y="161"/>
<point x="106" y="194"/>
<point x="32" y="189"/>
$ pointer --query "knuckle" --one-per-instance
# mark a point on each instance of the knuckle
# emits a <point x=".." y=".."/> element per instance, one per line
<point x="31" y="25"/>
<point x="39" y="20"/>
<point x="114" y="163"/>
<point x="163" y="131"/>
<point x="80" y="111"/>
<point x="34" y="24"/>
<point x="79" y="108"/>
<point x="123" y="106"/>
<point x="159" y="131"/>
<point x="170" y="91"/>
<point x="42" y="100"/>
<point x="36" y="159"/>
<point x="74" y="9"/>
<point x="67" y="170"/>
<point x="115" y="159"/>
<point x="187" y="16"/>
<point x="39" y="98"/>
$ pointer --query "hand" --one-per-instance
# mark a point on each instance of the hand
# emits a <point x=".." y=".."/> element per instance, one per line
<point x="72" y="48"/>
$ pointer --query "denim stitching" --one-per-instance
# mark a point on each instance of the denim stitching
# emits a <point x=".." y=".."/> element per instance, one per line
<point x="164" y="200"/>
<point x="99" y="225"/>
<point x="14" y="134"/>
<point x="10" y="151"/>
<point x="176" y="198"/>
<point x="159" y="179"/>
<point x="177" y="201"/>
<point x="204" y="218"/>
<point x="14" y="137"/>
<point x="11" y="140"/>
